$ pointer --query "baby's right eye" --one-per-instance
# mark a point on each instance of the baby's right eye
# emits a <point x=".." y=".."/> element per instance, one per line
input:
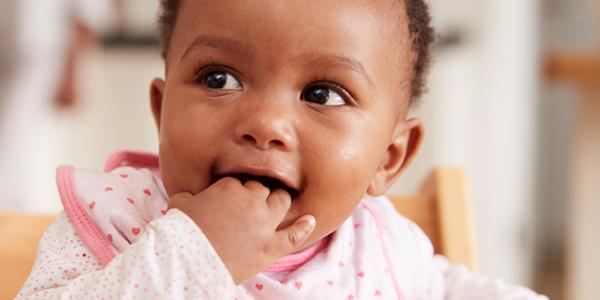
<point x="220" y="80"/>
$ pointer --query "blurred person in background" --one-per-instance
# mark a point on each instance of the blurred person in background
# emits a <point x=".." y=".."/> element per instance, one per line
<point x="42" y="44"/>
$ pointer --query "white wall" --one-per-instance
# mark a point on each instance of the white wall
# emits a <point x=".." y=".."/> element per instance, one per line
<point x="481" y="114"/>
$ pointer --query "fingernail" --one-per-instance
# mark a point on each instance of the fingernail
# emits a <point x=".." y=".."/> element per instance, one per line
<point x="311" y="221"/>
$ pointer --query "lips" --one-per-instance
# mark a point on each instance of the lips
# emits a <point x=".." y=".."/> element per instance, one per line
<point x="269" y="178"/>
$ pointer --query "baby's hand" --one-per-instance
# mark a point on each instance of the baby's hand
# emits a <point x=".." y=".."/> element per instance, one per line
<point x="240" y="221"/>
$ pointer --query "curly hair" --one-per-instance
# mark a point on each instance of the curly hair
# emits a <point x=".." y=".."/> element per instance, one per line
<point x="419" y="25"/>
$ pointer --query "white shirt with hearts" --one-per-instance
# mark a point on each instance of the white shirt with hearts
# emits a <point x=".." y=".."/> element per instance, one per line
<point x="117" y="240"/>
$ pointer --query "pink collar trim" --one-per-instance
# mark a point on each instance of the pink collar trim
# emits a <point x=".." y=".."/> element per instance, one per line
<point x="137" y="159"/>
<point x="294" y="261"/>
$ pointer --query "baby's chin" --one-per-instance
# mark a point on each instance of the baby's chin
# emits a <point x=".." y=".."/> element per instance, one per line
<point x="313" y="240"/>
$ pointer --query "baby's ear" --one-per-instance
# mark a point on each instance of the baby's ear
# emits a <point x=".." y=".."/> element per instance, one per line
<point x="156" y="99"/>
<point x="404" y="146"/>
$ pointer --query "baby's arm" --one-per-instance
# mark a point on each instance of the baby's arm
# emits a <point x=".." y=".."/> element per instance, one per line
<point x="171" y="260"/>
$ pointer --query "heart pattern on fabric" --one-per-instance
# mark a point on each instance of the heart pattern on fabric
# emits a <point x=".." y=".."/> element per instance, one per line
<point x="298" y="285"/>
<point x="108" y="189"/>
<point x="330" y="282"/>
<point x="130" y="201"/>
<point x="92" y="205"/>
<point x="135" y="230"/>
<point x="147" y="192"/>
<point x="361" y="274"/>
<point x="259" y="286"/>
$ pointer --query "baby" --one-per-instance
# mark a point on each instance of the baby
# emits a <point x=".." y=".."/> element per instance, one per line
<point x="281" y="126"/>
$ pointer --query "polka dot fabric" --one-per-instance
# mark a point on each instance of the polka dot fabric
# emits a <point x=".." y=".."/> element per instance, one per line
<point x="171" y="260"/>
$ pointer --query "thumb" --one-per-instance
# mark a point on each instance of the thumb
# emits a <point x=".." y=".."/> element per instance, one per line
<point x="293" y="236"/>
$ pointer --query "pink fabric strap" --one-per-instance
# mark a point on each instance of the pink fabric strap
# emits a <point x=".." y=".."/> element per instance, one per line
<point x="294" y="261"/>
<point x="379" y="221"/>
<point x="79" y="218"/>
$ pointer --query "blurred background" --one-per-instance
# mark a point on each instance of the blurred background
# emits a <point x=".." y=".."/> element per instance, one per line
<point x="514" y="98"/>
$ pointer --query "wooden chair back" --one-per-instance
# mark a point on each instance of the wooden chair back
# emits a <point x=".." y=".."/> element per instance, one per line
<point x="443" y="210"/>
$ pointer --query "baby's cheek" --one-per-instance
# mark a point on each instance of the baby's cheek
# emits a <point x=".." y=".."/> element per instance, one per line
<point x="343" y="179"/>
<point x="334" y="206"/>
<point x="179" y="173"/>
<point x="349" y="176"/>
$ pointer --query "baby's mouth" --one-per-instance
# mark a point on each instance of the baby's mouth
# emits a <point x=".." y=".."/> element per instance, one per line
<point x="271" y="183"/>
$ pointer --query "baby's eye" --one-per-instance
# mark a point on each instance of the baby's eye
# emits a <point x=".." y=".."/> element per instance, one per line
<point x="323" y="95"/>
<point x="221" y="80"/>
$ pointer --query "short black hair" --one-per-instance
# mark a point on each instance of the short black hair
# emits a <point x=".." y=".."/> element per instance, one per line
<point x="419" y="26"/>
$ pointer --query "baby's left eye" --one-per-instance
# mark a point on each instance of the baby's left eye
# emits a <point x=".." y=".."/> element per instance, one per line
<point x="323" y="95"/>
<point x="221" y="80"/>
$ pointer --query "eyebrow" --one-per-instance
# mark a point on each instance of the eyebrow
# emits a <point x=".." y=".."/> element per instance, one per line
<point x="238" y="48"/>
<point x="241" y="49"/>
<point x="345" y="63"/>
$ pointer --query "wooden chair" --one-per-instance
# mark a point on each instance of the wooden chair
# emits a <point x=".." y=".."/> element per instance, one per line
<point x="19" y="237"/>
<point x="441" y="209"/>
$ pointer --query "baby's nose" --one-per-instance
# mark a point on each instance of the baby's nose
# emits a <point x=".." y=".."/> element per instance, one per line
<point x="266" y="126"/>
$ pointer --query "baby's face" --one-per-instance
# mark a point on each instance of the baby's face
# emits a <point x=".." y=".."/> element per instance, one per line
<point x="305" y="95"/>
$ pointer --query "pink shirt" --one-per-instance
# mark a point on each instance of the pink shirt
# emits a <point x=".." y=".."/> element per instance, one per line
<point x="116" y="239"/>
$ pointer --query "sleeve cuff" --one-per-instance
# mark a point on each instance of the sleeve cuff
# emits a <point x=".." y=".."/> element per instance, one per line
<point x="193" y="247"/>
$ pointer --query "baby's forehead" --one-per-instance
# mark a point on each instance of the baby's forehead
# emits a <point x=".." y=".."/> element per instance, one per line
<point x="301" y="22"/>
<point x="360" y="36"/>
